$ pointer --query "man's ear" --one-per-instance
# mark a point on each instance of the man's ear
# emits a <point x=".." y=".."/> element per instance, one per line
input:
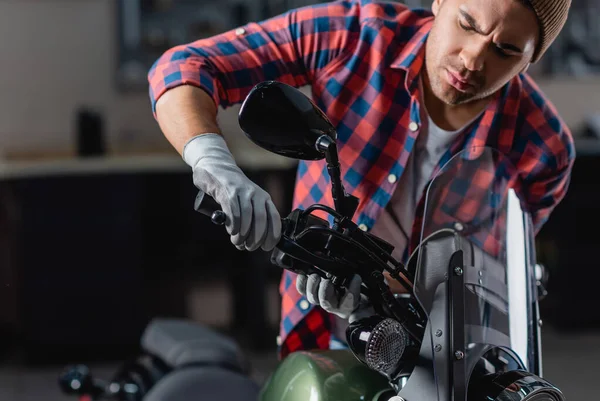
<point x="435" y="7"/>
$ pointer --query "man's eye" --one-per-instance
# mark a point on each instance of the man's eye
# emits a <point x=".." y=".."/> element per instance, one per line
<point x="502" y="53"/>
<point x="465" y="27"/>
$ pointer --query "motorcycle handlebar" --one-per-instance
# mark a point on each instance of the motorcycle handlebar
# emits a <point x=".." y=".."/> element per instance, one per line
<point x="206" y="205"/>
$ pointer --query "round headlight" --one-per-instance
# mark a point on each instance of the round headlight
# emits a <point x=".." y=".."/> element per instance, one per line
<point x="386" y="346"/>
<point x="516" y="385"/>
<point x="380" y="343"/>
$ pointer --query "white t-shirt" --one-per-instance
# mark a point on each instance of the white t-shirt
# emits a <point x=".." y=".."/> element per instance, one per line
<point x="394" y="224"/>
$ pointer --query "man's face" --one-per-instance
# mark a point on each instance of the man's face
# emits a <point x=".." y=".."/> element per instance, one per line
<point x="476" y="46"/>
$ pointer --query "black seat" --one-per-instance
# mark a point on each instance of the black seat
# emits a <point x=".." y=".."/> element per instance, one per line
<point x="205" y="364"/>
<point x="181" y="343"/>
<point x="204" y="384"/>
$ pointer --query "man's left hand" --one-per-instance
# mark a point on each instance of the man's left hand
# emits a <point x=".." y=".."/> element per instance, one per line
<point x="322" y="292"/>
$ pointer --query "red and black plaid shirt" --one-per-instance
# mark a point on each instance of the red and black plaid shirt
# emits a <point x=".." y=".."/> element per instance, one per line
<point x="362" y="60"/>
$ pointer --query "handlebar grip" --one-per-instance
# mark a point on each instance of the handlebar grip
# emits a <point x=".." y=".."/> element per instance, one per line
<point x="206" y="205"/>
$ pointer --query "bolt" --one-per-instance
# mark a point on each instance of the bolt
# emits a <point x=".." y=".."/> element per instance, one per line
<point x="438" y="348"/>
<point x="377" y="275"/>
<point x="458" y="271"/>
<point x="540" y="323"/>
<point x="459" y="355"/>
<point x="458" y="226"/>
<point x="438" y="333"/>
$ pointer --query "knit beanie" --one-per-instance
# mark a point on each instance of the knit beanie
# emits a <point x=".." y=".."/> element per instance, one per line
<point x="552" y="15"/>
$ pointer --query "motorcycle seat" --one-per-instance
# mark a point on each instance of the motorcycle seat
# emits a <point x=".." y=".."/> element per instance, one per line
<point x="204" y="384"/>
<point x="181" y="343"/>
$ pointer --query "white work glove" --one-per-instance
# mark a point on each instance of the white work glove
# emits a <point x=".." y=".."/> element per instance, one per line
<point x="322" y="292"/>
<point x="252" y="219"/>
<point x="364" y="310"/>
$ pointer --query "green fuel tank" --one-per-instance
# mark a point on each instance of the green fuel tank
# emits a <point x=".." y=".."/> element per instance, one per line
<point x="331" y="375"/>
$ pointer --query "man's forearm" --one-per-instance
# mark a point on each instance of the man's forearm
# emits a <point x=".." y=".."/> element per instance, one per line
<point x="184" y="112"/>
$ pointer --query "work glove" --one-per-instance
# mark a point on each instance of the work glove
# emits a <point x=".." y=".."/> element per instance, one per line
<point x="322" y="292"/>
<point x="252" y="219"/>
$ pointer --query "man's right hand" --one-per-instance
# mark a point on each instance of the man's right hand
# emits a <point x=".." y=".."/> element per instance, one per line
<point x="252" y="219"/>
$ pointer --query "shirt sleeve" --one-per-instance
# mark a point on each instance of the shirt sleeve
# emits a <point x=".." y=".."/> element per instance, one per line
<point x="293" y="48"/>
<point x="546" y="173"/>
<point x="546" y="192"/>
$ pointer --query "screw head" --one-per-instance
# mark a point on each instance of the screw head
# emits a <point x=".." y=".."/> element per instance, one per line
<point x="438" y="333"/>
<point x="458" y="226"/>
<point x="459" y="355"/>
<point x="540" y="323"/>
<point x="458" y="271"/>
<point x="438" y="348"/>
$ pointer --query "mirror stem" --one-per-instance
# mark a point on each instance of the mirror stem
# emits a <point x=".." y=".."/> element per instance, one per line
<point x="344" y="204"/>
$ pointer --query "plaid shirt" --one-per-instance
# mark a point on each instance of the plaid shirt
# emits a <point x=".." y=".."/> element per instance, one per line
<point x="362" y="60"/>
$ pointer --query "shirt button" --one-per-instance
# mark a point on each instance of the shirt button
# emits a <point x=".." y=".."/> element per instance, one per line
<point x="413" y="126"/>
<point x="304" y="305"/>
<point x="392" y="178"/>
<point x="363" y="227"/>
<point x="278" y="340"/>
<point x="240" y="31"/>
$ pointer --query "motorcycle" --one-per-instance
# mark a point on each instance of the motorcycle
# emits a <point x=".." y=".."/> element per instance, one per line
<point x="468" y="329"/>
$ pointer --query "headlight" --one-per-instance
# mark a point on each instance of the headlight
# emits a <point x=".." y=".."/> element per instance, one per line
<point x="379" y="343"/>
<point x="516" y="385"/>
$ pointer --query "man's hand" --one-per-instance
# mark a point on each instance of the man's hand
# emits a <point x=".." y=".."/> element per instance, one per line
<point x="322" y="292"/>
<point x="252" y="219"/>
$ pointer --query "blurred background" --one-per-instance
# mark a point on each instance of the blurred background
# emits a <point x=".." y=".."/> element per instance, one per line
<point x="98" y="235"/>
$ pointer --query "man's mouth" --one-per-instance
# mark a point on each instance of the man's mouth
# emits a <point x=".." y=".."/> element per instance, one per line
<point x="458" y="82"/>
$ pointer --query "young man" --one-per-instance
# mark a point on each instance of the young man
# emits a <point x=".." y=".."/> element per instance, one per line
<point x="406" y="89"/>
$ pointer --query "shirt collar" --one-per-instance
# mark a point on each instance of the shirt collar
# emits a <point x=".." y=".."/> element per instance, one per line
<point x="412" y="56"/>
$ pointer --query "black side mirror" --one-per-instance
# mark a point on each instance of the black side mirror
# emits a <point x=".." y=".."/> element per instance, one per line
<point x="281" y="119"/>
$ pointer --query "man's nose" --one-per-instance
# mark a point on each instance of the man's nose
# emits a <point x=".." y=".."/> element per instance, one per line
<point x="473" y="56"/>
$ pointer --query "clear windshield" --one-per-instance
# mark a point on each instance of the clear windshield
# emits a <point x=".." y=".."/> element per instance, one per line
<point x="475" y="241"/>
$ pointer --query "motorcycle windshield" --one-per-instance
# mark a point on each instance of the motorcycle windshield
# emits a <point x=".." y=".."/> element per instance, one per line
<point x="474" y="273"/>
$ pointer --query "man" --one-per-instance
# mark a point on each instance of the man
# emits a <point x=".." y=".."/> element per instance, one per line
<point x="406" y="89"/>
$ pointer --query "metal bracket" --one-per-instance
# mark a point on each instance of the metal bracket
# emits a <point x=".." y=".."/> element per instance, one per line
<point x="456" y="304"/>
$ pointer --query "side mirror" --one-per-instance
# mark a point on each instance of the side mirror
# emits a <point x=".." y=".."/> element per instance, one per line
<point x="282" y="120"/>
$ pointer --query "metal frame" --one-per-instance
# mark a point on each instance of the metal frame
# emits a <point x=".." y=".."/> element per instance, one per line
<point x="456" y="305"/>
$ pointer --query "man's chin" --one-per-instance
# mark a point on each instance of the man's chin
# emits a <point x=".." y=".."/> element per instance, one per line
<point x="455" y="98"/>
